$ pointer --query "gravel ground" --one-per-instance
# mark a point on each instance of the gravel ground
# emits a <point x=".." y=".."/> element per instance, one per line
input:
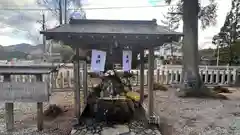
<point x="133" y="128"/>
<point x="191" y="116"/>
<point x="25" y="117"/>
<point x="137" y="126"/>
<point x="185" y="116"/>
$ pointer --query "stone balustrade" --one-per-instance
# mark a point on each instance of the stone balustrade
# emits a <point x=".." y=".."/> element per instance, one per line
<point x="167" y="74"/>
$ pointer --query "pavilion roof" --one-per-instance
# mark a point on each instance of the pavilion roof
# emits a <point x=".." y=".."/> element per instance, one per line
<point x="113" y="27"/>
<point x="131" y="32"/>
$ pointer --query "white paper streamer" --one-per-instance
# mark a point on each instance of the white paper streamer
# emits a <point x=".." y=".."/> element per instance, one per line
<point x="98" y="60"/>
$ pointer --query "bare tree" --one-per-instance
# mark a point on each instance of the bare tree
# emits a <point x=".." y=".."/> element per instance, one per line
<point x="172" y="21"/>
<point x="62" y="9"/>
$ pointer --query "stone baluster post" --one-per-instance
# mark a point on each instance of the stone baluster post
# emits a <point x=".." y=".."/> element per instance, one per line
<point x="206" y="76"/>
<point x="223" y="77"/>
<point x="217" y="77"/>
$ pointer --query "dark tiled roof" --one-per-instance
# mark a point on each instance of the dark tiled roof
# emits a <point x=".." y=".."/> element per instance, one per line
<point x="113" y="27"/>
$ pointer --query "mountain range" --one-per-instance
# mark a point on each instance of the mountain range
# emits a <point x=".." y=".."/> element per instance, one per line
<point x="23" y="51"/>
<point x="20" y="51"/>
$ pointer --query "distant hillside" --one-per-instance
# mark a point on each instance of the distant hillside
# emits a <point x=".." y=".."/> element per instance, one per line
<point x="13" y="54"/>
<point x="19" y="51"/>
<point x="207" y="53"/>
<point x="23" y="47"/>
<point x="24" y="51"/>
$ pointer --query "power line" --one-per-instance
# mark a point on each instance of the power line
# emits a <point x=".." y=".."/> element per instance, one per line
<point x="100" y="8"/>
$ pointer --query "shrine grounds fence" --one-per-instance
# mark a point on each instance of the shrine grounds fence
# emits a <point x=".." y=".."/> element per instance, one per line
<point x="167" y="75"/>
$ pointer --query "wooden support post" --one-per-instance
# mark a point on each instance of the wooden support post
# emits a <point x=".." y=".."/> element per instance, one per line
<point x="137" y="73"/>
<point x="142" y="76"/>
<point x="77" y="86"/>
<point x="9" y="115"/>
<point x="80" y="74"/>
<point x="9" y="109"/>
<point x="85" y="84"/>
<point x="146" y="77"/>
<point x="39" y="78"/>
<point x="150" y="81"/>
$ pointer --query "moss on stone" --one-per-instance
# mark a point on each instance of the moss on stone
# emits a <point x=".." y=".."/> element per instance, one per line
<point x="203" y="92"/>
<point x="157" y="86"/>
<point x="219" y="89"/>
<point x="52" y="111"/>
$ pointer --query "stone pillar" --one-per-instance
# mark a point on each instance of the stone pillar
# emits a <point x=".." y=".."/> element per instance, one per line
<point x="217" y="77"/>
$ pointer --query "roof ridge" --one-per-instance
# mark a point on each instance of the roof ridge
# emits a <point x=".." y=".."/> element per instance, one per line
<point x="87" y="21"/>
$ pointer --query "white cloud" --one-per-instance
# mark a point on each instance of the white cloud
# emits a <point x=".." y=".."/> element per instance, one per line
<point x="6" y="40"/>
<point x="205" y="36"/>
<point x="127" y="13"/>
<point x="20" y="25"/>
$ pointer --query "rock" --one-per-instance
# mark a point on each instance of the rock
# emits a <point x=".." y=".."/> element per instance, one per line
<point x="203" y="92"/>
<point x="122" y="129"/>
<point x="220" y="89"/>
<point x="53" y="111"/>
<point x="118" y="111"/>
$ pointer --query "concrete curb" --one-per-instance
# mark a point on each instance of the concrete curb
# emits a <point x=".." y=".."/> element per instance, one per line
<point x="155" y="119"/>
<point x="74" y="131"/>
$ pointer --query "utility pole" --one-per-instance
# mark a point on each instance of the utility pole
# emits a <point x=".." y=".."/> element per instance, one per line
<point x="65" y="12"/>
<point x="171" y="45"/>
<point x="44" y="38"/>
<point x="218" y="53"/>
<point x="60" y="12"/>
<point x="170" y="26"/>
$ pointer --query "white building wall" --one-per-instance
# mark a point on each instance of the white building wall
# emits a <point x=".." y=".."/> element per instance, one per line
<point x="165" y="51"/>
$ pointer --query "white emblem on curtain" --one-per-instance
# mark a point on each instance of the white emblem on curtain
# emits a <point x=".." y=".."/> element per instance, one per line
<point x="127" y="60"/>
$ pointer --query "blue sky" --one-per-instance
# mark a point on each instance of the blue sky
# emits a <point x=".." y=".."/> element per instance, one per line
<point x="205" y="36"/>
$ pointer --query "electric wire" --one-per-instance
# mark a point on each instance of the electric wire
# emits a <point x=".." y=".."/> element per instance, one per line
<point x="96" y="8"/>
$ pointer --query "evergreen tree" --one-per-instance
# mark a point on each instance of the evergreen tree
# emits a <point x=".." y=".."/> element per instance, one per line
<point x="230" y="32"/>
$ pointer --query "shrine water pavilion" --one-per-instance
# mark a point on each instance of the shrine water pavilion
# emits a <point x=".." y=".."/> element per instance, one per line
<point x="137" y="35"/>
